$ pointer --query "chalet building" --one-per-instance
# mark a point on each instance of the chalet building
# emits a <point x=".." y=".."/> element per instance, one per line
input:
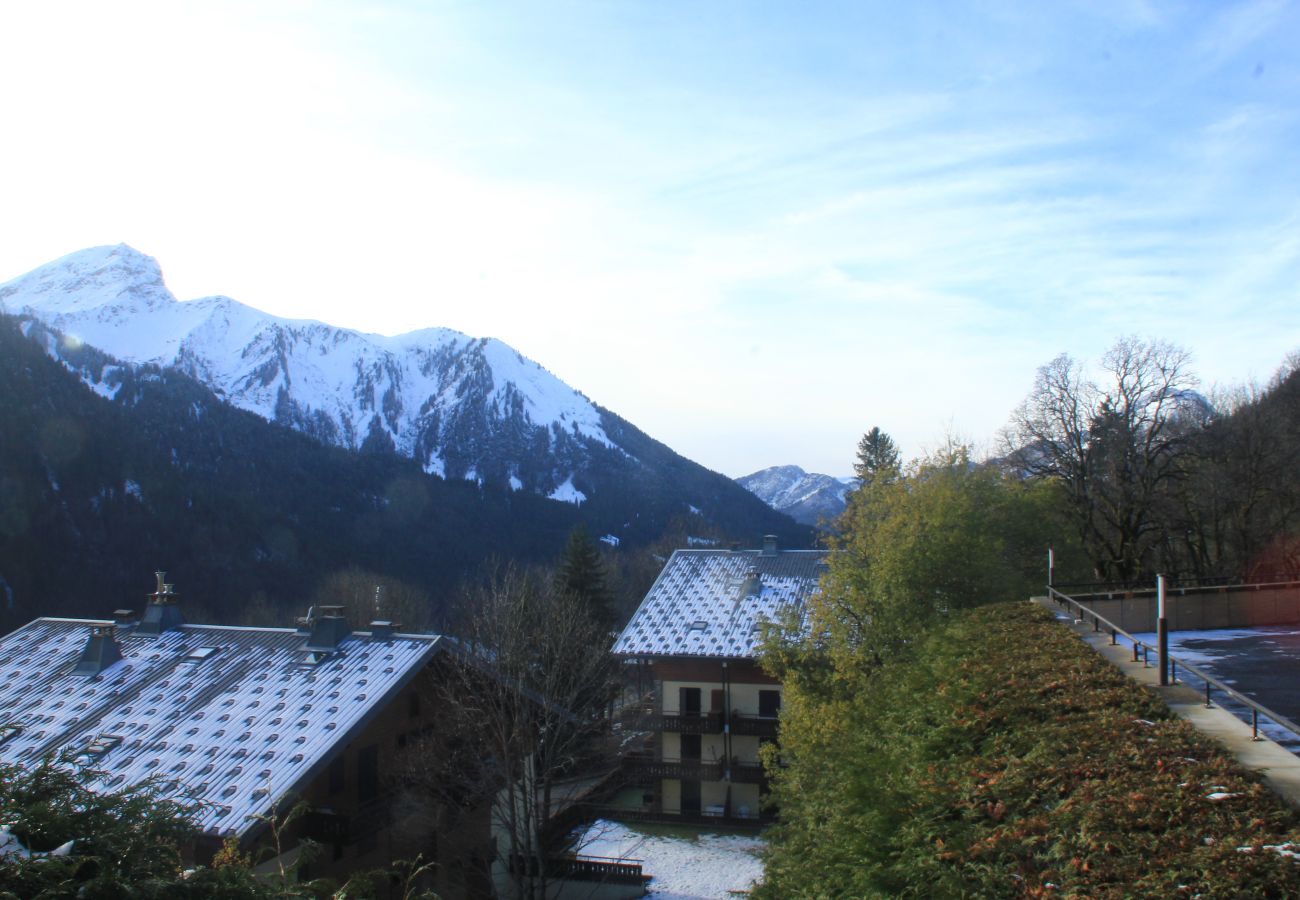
<point x="711" y="707"/>
<point x="245" y="722"/>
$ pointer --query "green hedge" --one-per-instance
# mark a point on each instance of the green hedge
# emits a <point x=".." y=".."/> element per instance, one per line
<point x="1004" y="758"/>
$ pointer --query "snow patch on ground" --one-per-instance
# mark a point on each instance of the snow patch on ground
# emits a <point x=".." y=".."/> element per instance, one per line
<point x="683" y="865"/>
<point x="567" y="493"/>
<point x="132" y="489"/>
<point x="610" y="539"/>
<point x="515" y="483"/>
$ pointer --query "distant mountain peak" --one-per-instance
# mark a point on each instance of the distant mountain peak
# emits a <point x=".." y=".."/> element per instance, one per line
<point x="87" y="280"/>
<point x="806" y="497"/>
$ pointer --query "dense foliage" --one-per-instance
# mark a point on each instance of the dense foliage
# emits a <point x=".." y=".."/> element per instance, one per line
<point x="944" y="535"/>
<point x="69" y="841"/>
<point x="1003" y="758"/>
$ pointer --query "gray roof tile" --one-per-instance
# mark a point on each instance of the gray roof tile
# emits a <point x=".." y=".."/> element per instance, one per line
<point x="705" y="603"/>
<point x="197" y="722"/>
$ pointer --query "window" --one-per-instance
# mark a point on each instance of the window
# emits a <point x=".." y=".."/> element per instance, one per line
<point x="689" y="701"/>
<point x="769" y="704"/>
<point x="368" y="773"/>
<point x="337" y="775"/>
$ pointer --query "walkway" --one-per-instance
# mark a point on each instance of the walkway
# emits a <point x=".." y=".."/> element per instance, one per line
<point x="1279" y="767"/>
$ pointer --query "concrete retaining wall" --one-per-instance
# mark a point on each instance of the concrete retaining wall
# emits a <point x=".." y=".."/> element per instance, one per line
<point x="1199" y="609"/>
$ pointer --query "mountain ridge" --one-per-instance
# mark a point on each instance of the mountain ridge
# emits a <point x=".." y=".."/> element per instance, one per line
<point x="807" y="497"/>
<point x="461" y="408"/>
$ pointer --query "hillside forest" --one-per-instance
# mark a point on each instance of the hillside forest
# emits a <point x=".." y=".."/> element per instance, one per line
<point x="254" y="522"/>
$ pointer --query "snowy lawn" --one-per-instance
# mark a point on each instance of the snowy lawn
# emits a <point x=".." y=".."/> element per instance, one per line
<point x="685" y="864"/>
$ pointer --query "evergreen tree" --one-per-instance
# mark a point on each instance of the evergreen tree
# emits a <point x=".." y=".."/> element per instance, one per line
<point x="581" y="573"/>
<point x="877" y="457"/>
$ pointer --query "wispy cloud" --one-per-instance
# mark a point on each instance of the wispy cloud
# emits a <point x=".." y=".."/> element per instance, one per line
<point x="828" y="217"/>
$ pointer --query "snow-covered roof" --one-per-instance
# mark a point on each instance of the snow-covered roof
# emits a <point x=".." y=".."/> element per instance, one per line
<point x="708" y="603"/>
<point x="234" y="718"/>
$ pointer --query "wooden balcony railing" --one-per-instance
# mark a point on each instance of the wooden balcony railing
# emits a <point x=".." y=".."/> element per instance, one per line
<point x="760" y="726"/>
<point x="582" y="868"/>
<point x="648" y="767"/>
<point x="688" y="723"/>
<point x="326" y="827"/>
<point x="748" y="772"/>
<point x="694" y="769"/>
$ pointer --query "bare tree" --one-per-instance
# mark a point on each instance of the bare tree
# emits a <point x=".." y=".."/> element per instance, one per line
<point x="1115" y="444"/>
<point x="521" y="713"/>
<point x="367" y="596"/>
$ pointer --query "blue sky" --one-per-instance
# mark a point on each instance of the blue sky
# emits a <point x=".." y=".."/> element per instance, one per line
<point x="753" y="229"/>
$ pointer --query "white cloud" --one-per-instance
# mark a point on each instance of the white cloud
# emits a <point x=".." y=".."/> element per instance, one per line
<point x="755" y="234"/>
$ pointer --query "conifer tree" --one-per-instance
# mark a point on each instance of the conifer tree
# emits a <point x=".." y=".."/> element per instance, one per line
<point x="581" y="573"/>
<point x="877" y="457"/>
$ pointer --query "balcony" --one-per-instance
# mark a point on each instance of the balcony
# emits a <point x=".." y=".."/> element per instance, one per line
<point x="757" y="726"/>
<point x="748" y="772"/>
<point x="692" y="769"/>
<point x="688" y="723"/>
<point x="647" y="767"/>
<point x="642" y="718"/>
<point x="325" y="826"/>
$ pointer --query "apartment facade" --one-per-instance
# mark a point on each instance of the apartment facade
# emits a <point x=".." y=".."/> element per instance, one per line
<point x="710" y="707"/>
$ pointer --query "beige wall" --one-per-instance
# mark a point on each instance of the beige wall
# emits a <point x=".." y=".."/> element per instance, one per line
<point x="744" y="696"/>
<point x="746" y="796"/>
<point x="744" y="747"/>
<point x="672" y="696"/>
<point x="672" y="795"/>
<point x="711" y="746"/>
<point x="712" y="793"/>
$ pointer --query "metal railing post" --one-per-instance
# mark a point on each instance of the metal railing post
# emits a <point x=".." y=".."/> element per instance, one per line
<point x="1162" y="631"/>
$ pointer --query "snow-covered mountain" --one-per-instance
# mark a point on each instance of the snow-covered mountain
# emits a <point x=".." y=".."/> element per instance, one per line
<point x="462" y="407"/>
<point x="805" y="497"/>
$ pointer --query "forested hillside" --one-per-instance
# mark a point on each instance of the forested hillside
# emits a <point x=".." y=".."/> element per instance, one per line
<point x="97" y="494"/>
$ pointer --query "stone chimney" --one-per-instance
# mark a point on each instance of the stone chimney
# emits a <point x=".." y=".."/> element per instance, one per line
<point x="752" y="586"/>
<point x="381" y="630"/>
<point x="100" y="652"/>
<point x="769" y="545"/>
<point x="161" y="614"/>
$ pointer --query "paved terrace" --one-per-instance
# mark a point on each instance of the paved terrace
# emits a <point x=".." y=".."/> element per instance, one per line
<point x="1279" y="767"/>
